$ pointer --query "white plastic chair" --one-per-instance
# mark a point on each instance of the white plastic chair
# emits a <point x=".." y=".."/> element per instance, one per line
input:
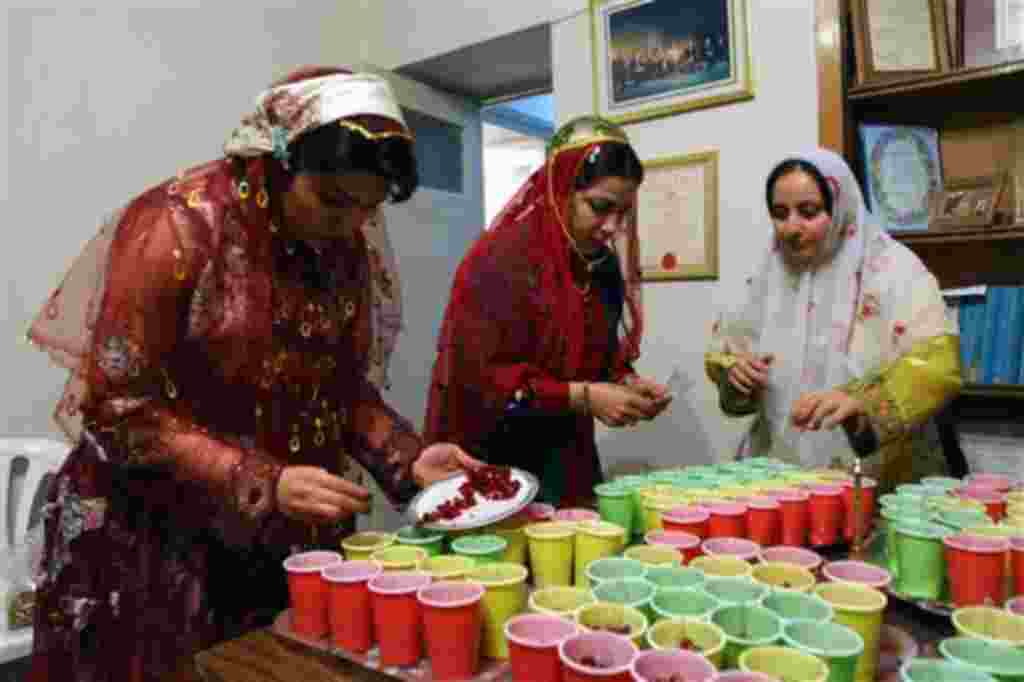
<point x="27" y="464"/>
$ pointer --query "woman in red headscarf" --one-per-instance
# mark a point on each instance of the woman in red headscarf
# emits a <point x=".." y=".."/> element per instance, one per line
<point x="544" y="320"/>
<point x="227" y="334"/>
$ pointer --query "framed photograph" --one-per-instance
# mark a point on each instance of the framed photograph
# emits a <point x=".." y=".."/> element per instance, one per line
<point x="967" y="203"/>
<point x="656" y="58"/>
<point x="993" y="31"/>
<point x="897" y="39"/>
<point x="677" y="210"/>
<point x="902" y="167"/>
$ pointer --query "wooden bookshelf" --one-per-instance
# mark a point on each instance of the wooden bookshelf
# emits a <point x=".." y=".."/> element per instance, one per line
<point x="960" y="258"/>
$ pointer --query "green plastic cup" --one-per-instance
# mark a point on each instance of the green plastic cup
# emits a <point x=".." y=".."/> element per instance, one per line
<point x="705" y="637"/>
<point x="628" y="592"/>
<point x="683" y="603"/>
<point x="483" y="549"/>
<point x="797" y="606"/>
<point x="615" y="568"/>
<point x="943" y="483"/>
<point x="891" y="516"/>
<point x="735" y="591"/>
<point x="836" y="644"/>
<point x="920" y="558"/>
<point x="1001" y="661"/>
<point x="745" y="626"/>
<point x="560" y="601"/>
<point x="674" y="577"/>
<point x="938" y="670"/>
<point x="615" y="504"/>
<point x="430" y="540"/>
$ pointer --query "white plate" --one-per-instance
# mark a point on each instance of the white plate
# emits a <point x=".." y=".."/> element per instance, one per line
<point x="484" y="513"/>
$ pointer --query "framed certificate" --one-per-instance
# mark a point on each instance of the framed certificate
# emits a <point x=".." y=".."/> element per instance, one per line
<point x="900" y="38"/>
<point x="902" y="170"/>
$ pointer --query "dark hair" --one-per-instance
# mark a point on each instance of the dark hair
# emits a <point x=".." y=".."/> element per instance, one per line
<point x="613" y="159"/>
<point x="333" y="149"/>
<point x="790" y="165"/>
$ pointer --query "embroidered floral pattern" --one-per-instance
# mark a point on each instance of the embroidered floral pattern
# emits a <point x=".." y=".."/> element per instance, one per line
<point x="869" y="307"/>
<point x="119" y="358"/>
<point x="74" y="515"/>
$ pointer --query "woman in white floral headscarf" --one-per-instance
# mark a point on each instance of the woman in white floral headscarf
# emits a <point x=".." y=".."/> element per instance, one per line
<point x="843" y="345"/>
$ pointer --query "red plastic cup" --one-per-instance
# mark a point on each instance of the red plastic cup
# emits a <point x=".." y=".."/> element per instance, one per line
<point x="825" y="509"/>
<point x="850" y="571"/>
<point x="539" y="511"/>
<point x="533" y="640"/>
<point x="794" y="508"/>
<point x="799" y="556"/>
<point x="998" y="482"/>
<point x="655" y="665"/>
<point x="308" y="591"/>
<point x="976" y="568"/>
<point x="692" y="520"/>
<point x="396" y="616"/>
<point x="452" y="627"/>
<point x="994" y="501"/>
<point x="868" y="500"/>
<point x="576" y="514"/>
<point x="1017" y="564"/>
<point x="349" y="610"/>
<point x="596" y="657"/>
<point x="764" y="521"/>
<point x="727" y="520"/>
<point x="687" y="544"/>
<point x="741" y="548"/>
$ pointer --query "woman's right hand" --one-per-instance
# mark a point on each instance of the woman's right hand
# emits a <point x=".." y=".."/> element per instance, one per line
<point x="311" y="495"/>
<point x="617" y="405"/>
<point x="749" y="374"/>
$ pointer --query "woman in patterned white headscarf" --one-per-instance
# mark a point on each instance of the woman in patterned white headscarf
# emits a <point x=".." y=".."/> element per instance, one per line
<point x="844" y="345"/>
<point x="227" y="334"/>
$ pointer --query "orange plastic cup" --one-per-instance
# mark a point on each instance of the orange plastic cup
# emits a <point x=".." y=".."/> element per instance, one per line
<point x="308" y="591"/>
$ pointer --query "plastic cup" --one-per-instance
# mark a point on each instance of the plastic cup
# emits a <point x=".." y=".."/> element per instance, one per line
<point x="429" y="540"/>
<point x="892" y="516"/>
<point x="689" y="603"/>
<point x="447" y="567"/>
<point x="745" y="627"/>
<point x="596" y="657"/>
<point x="1017" y="564"/>
<point x="731" y="591"/>
<point x="1016" y="606"/>
<point x="655" y="505"/>
<point x="452" y="628"/>
<point x="837" y="645"/>
<point x="994" y="501"/>
<point x="628" y="592"/>
<point x="618" y="619"/>
<point x="783" y="576"/>
<point x="687" y="519"/>
<point x="943" y="483"/>
<point x="595" y="540"/>
<point x="921" y="571"/>
<point x="685" y="633"/>
<point x="1001" y="661"/>
<point x="537" y="512"/>
<point x="794" y="511"/>
<point x="723" y="566"/>
<point x="727" y="520"/>
<point x="551" y="550"/>
<point x="868" y="497"/>
<point x="798" y="606"/>
<point x="512" y="530"/>
<point x="784" y="662"/>
<point x="742" y="676"/>
<point x="483" y="549"/>
<point x="938" y="670"/>
<point x="396" y="616"/>
<point x="990" y="624"/>
<point x="533" y="641"/>
<point x="400" y="558"/>
<point x="748" y="550"/>
<point x="359" y="546"/>
<point x="797" y="556"/>
<point x="851" y="571"/>
<point x="615" y="568"/>
<point x="661" y="664"/>
<point x="764" y="521"/>
<point x="349" y="608"/>
<point x="687" y="544"/>
<point x="654" y="555"/>
<point x="1000" y="482"/>
<point x="674" y="577"/>
<point x="826" y="513"/>
<point x="574" y="514"/>
<point x="859" y="608"/>
<point x="976" y="567"/>
<point x="615" y="505"/>
<point x="961" y="519"/>
<point x="560" y="601"/>
<point x="505" y="596"/>
<point x="308" y="591"/>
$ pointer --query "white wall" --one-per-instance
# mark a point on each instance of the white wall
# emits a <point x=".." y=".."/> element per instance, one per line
<point x="750" y="137"/>
<point x="509" y="159"/>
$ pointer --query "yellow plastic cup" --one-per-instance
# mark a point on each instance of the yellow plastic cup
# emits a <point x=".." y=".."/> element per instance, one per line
<point x="784" y="663"/>
<point x="654" y="506"/>
<point x="990" y="624"/>
<point x="707" y="638"/>
<point x="563" y="602"/>
<point x="448" y="567"/>
<point x="859" y="608"/>
<point x="551" y="550"/>
<point x="359" y="546"/>
<point x="600" y="616"/>
<point x="505" y="596"/>
<point x="722" y="566"/>
<point x="654" y="555"/>
<point x="400" y="558"/>
<point x="512" y="530"/>
<point x="595" y="540"/>
<point x="783" y="576"/>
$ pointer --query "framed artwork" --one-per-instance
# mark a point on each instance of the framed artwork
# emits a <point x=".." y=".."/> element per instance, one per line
<point x="900" y="38"/>
<point x="656" y="58"/>
<point x="677" y="209"/>
<point x="993" y="31"/>
<point x="901" y="168"/>
<point x="968" y="202"/>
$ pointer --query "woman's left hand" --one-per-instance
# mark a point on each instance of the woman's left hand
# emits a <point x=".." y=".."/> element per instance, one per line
<point x="441" y="461"/>
<point x="825" y="410"/>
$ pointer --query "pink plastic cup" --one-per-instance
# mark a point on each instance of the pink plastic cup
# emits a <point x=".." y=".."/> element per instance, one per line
<point x="868" y="501"/>
<point x="596" y="657"/>
<point x="999" y="482"/>
<point x="794" y="507"/>
<point x="396" y="616"/>
<point x="350" y="612"/>
<point x="799" y="556"/>
<point x="826" y="513"/>
<point x="764" y="520"/>
<point x="539" y="511"/>
<point x="533" y="641"/>
<point x="727" y="520"/>
<point x="452" y="628"/>
<point x="741" y="548"/>
<point x="692" y="520"/>
<point x="308" y="591"/>
<point x="655" y="665"/>
<point x="576" y="514"/>
<point x="687" y="544"/>
<point x="850" y="571"/>
<point x="976" y="569"/>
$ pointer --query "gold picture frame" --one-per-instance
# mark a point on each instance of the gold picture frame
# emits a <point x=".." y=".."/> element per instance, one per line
<point x="967" y="202"/>
<point x="654" y="58"/>
<point x="874" y="66"/>
<point x="677" y="209"/>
